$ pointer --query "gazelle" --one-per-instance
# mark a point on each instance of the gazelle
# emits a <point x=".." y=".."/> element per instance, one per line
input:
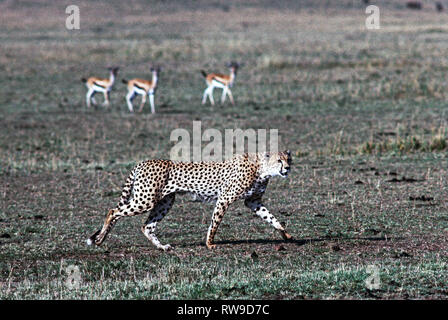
<point x="143" y="88"/>
<point x="217" y="80"/>
<point x="95" y="85"/>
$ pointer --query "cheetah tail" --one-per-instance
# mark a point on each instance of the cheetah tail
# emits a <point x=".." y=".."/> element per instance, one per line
<point x="127" y="189"/>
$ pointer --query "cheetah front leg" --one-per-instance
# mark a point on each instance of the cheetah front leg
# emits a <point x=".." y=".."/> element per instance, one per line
<point x="156" y="215"/>
<point x="260" y="210"/>
<point x="218" y="213"/>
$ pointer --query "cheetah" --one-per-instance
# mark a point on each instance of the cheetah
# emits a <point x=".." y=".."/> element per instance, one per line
<point x="152" y="185"/>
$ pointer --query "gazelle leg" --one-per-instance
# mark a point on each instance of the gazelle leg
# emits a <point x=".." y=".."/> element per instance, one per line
<point x="106" y="98"/>
<point x="230" y="96"/>
<point x="89" y="96"/>
<point x="224" y="93"/>
<point x="210" y="95"/>
<point x="151" y="102"/>
<point x="142" y="103"/>
<point x="93" y="98"/>
<point x="204" y="96"/>
<point x="129" y="97"/>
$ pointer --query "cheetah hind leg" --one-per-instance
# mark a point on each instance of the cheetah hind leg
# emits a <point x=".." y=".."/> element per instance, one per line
<point x="99" y="236"/>
<point x="156" y="215"/>
<point x="128" y="209"/>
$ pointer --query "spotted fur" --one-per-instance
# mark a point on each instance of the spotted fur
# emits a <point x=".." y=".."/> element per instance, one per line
<point x="152" y="185"/>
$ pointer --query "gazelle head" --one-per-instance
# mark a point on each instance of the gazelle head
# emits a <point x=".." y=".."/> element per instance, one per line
<point x="113" y="70"/>
<point x="156" y="70"/>
<point x="155" y="74"/>
<point x="233" y="66"/>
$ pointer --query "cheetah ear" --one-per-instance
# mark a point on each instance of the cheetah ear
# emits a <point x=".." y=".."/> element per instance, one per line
<point x="288" y="152"/>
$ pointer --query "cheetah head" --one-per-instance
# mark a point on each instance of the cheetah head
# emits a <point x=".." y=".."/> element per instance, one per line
<point x="276" y="164"/>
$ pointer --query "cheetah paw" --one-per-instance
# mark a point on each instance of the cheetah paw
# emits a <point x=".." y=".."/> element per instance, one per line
<point x="286" y="236"/>
<point x="166" y="247"/>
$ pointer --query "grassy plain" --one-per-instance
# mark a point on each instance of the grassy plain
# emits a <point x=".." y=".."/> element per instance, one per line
<point x="364" y="113"/>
